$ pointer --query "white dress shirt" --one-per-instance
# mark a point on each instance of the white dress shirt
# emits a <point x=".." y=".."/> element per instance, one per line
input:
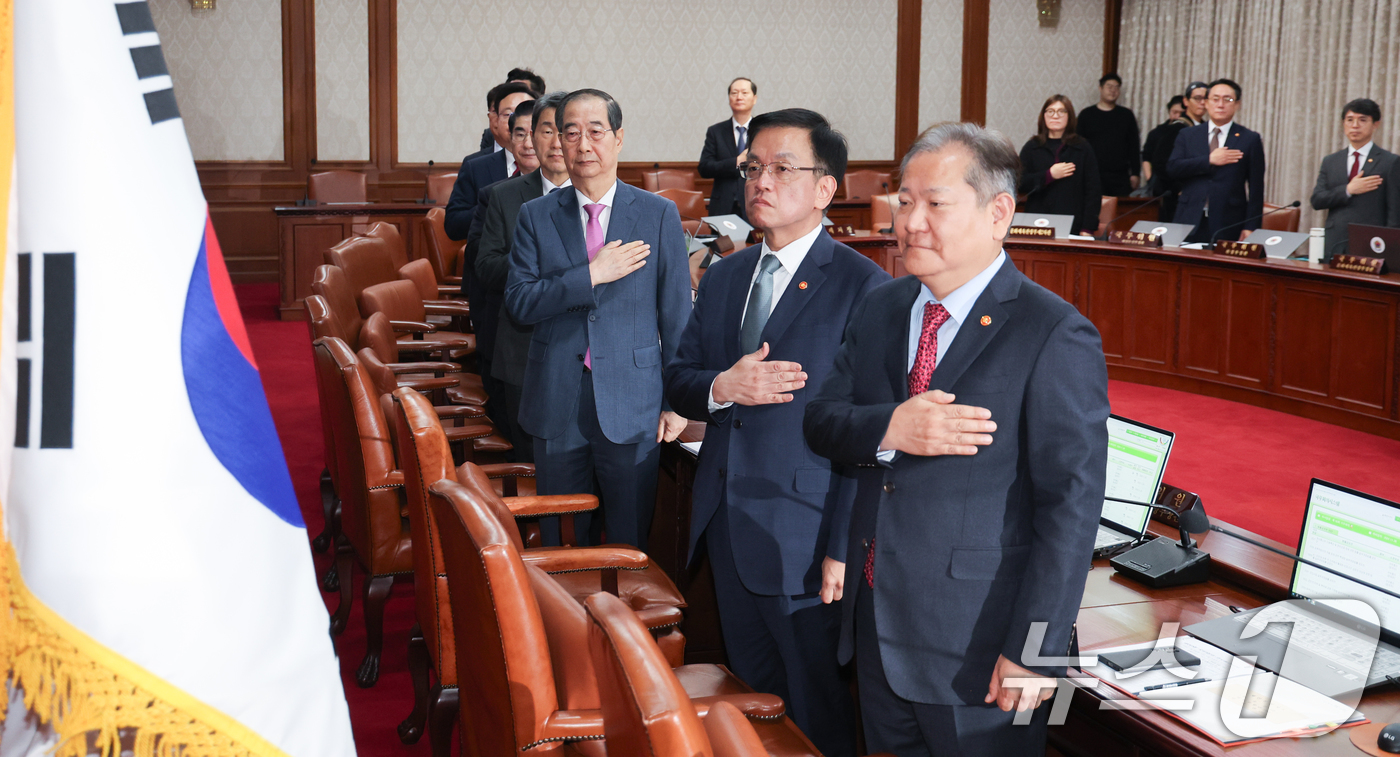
<point x="550" y="186"/>
<point x="959" y="304"/>
<point x="1365" y="151"/>
<point x="790" y="257"/>
<point x="510" y="163"/>
<point x="734" y="127"/>
<point x="1224" y="131"/>
<point x="603" y="217"/>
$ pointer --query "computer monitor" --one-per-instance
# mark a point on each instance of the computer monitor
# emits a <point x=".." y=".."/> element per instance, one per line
<point x="1137" y="460"/>
<point x="1359" y="535"/>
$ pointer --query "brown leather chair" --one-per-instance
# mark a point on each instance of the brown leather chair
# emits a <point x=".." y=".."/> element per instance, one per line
<point x="368" y="260"/>
<point x="647" y="712"/>
<point x="441" y="252"/>
<point x="861" y="185"/>
<point x="330" y="284"/>
<point x="511" y="682"/>
<point x="1284" y="220"/>
<point x="322" y="322"/>
<point x="373" y="533"/>
<point x="882" y="210"/>
<point x="462" y="389"/>
<point x="691" y="205"/>
<point x="408" y="314"/>
<point x="1108" y="210"/>
<point x="336" y="186"/>
<point x="420" y="272"/>
<point x="393" y="241"/>
<point x="668" y="178"/>
<point x="439" y="186"/>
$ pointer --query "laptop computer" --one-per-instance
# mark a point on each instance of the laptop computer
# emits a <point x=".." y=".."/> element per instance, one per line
<point x="1321" y="640"/>
<point x="1137" y="459"/>
<point x="731" y="226"/>
<point x="1278" y="244"/>
<point x="1060" y="223"/>
<point x="1376" y="242"/>
<point x="1172" y="234"/>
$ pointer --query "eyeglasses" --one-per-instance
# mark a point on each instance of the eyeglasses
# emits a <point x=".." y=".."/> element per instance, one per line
<point x="781" y="172"/>
<point x="595" y="135"/>
<point x="1057" y="112"/>
<point x="1222" y="100"/>
<point x="1197" y="98"/>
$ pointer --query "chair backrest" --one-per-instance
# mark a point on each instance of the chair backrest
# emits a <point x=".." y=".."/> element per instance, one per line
<point x="399" y="300"/>
<point x="378" y="336"/>
<point x="330" y="283"/>
<point x="438" y="249"/>
<point x="731" y="734"/>
<point x="439" y="186"/>
<point x="393" y="240"/>
<point x="474" y="479"/>
<point x="1108" y="210"/>
<point x="667" y="178"/>
<point x="336" y="186"/>
<point x="566" y="627"/>
<point x="690" y="203"/>
<point x="646" y="711"/>
<point x="1284" y="220"/>
<point x="323" y="323"/>
<point x="882" y="210"/>
<point x="861" y="185"/>
<point x="420" y="272"/>
<point x="366" y="261"/>
<point x="496" y="616"/>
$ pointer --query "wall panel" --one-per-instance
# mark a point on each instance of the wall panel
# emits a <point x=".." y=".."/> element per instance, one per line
<point x="342" y="80"/>
<point x="1027" y="63"/>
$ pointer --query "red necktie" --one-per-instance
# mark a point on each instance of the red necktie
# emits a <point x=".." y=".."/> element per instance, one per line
<point x="1355" y="165"/>
<point x="925" y="360"/>
<point x="515" y="173"/>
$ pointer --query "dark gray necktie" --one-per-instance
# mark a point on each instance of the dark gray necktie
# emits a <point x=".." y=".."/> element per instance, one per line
<point x="760" y="305"/>
<point x="743" y="138"/>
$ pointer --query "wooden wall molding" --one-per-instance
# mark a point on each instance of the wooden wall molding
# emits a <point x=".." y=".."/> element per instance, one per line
<point x="908" y="39"/>
<point x="1112" y="28"/>
<point x="977" y="19"/>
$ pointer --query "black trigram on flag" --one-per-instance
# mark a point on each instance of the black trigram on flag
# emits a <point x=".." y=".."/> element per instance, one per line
<point x="57" y="316"/>
<point x="135" y="18"/>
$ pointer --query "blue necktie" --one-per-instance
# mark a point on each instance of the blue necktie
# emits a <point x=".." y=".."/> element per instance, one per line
<point x="760" y="305"/>
<point x="742" y="141"/>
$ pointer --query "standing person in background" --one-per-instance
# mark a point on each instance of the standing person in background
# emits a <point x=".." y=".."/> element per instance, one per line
<point x="1359" y="184"/>
<point x="726" y="148"/>
<point x="516" y="75"/>
<point x="1157" y="149"/>
<point x="1059" y="171"/>
<point x="1113" y="132"/>
<point x="1220" y="166"/>
<point x="489" y="168"/>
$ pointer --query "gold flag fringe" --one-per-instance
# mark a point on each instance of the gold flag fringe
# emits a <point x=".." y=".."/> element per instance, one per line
<point x="86" y="703"/>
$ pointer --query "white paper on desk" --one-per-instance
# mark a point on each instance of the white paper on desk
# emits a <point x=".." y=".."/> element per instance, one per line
<point x="1218" y="707"/>
<point x="1084" y="237"/>
<point x="691" y="447"/>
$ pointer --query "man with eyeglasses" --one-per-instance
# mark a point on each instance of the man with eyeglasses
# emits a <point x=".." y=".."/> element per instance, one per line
<point x="482" y="169"/>
<point x="601" y="272"/>
<point x="726" y="150"/>
<point x="1220" y="167"/>
<point x="767" y="324"/>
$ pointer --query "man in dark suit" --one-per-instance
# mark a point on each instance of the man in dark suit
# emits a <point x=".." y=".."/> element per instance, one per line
<point x="767" y="320"/>
<point x="512" y="339"/>
<point x="726" y="148"/>
<point x="607" y="318"/>
<point x="973" y="523"/>
<point x="483" y="168"/>
<point x="520" y="75"/>
<point x="1220" y="168"/>
<point x="1359" y="184"/>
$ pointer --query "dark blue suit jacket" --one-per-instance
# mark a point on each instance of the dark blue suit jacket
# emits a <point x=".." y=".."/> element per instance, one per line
<point x="476" y="173"/>
<point x="971" y="550"/>
<point x="632" y="325"/>
<point x="1235" y="191"/>
<point x="788" y="508"/>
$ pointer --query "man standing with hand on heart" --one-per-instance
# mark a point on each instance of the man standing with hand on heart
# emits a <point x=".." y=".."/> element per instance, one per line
<point x="973" y="525"/>
<point x="767" y="321"/>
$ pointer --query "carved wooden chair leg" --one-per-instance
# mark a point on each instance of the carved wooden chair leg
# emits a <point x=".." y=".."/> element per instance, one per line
<point x="440" y="722"/>
<point x="411" y="729"/>
<point x="323" y="542"/>
<point x="344" y="564"/>
<point x="331" y="581"/>
<point x="376" y="594"/>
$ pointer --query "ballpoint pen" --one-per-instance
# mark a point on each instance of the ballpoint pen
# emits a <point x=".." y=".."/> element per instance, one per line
<point x="1175" y="684"/>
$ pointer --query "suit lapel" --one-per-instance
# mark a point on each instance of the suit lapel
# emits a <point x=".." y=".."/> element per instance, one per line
<point x="623" y="216"/>
<point x="532" y="186"/>
<point x="570" y="228"/>
<point x="801" y="288"/>
<point x="973" y="336"/>
<point x="736" y="299"/>
<point x="897" y="357"/>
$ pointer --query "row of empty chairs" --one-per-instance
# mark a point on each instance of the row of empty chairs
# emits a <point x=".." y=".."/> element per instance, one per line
<point x="522" y="646"/>
<point x="350" y="187"/>
<point x="858" y="185"/>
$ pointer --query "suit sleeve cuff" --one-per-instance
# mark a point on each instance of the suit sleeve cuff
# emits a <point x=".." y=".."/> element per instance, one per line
<point x="715" y="407"/>
<point x="886" y="455"/>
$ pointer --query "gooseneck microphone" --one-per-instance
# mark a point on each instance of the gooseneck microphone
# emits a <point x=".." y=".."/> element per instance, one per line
<point x="1216" y="235"/>
<point x="885" y="185"/>
<point x="1155" y="199"/>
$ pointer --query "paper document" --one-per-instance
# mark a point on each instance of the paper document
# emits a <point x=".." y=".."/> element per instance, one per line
<point x="691" y="447"/>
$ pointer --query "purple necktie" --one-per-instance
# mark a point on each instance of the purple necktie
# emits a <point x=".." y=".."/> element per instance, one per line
<point x="593" y="239"/>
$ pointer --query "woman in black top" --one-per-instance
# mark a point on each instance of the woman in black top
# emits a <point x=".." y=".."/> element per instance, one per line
<point x="1059" y="173"/>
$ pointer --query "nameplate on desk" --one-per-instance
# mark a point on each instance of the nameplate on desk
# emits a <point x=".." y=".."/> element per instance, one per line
<point x="841" y="230"/>
<point x="1135" y="238"/>
<point x="1239" y="249"/>
<point x="1040" y="232"/>
<point x="1357" y="264"/>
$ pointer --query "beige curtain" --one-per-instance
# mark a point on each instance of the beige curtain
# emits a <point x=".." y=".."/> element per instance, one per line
<point x="1297" y="62"/>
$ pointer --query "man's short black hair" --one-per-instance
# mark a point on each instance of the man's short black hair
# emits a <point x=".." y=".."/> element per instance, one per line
<point x="828" y="145"/>
<point x="545" y="103"/>
<point x="1195" y="85"/>
<point x="525" y="74"/>
<point x="752" y="87"/>
<point x="523" y="109"/>
<point x="614" y="110"/>
<point x="1111" y="76"/>
<point x="1239" y="93"/>
<point x="502" y="91"/>
<point x="1362" y="106"/>
<point x="1177" y="100"/>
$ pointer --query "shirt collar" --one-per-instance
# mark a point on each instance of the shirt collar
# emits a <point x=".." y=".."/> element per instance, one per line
<point x="510" y="163"/>
<point x="1365" y="151"/>
<point x="792" y="255"/>
<point x="606" y="201"/>
<point x="496" y="146"/>
<point x="550" y="186"/>
<point x="959" y="302"/>
<point x="1224" y="130"/>
<point x="734" y="122"/>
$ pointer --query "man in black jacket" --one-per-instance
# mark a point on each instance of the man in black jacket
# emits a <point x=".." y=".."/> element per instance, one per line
<point x="1113" y="131"/>
<point x="482" y="168"/>
<point x="726" y="148"/>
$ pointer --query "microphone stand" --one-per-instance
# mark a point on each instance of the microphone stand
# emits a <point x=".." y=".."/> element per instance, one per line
<point x="1216" y="235"/>
<point x="885" y="185"/>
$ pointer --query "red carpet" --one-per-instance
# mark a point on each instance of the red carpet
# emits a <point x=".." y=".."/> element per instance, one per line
<point x="1251" y="467"/>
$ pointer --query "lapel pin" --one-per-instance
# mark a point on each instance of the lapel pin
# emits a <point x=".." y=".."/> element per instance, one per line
<point x="801" y="285"/>
<point x="986" y="320"/>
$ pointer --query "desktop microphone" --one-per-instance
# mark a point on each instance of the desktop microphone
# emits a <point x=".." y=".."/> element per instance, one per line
<point x="885" y="185"/>
<point x="1216" y="235"/>
<point x="427" y="199"/>
<point x="1165" y="562"/>
<point x="1155" y="199"/>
